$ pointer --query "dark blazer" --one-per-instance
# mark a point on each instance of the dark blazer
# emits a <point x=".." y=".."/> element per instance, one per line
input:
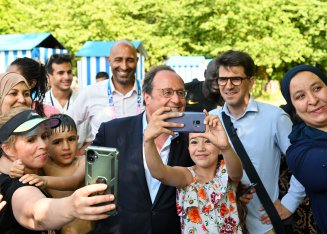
<point x="136" y="213"/>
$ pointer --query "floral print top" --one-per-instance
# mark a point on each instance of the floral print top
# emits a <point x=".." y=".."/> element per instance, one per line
<point x="210" y="207"/>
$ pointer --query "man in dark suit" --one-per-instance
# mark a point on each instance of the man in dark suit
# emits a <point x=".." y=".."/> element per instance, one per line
<point x="145" y="205"/>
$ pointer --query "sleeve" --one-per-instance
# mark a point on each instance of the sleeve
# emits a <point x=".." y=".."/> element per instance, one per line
<point x="283" y="129"/>
<point x="100" y="136"/>
<point x="296" y="192"/>
<point x="294" y="196"/>
<point x="79" y="110"/>
<point x="308" y="163"/>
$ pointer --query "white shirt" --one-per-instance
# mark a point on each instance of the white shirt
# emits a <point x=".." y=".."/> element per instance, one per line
<point x="52" y="101"/>
<point x="93" y="104"/>
<point x="83" y="130"/>
<point x="154" y="184"/>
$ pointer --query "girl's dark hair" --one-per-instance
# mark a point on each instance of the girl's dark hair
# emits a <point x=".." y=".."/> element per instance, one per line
<point x="33" y="70"/>
<point x="66" y="123"/>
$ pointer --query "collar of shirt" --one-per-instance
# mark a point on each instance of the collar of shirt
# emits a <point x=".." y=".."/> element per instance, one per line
<point x="113" y="89"/>
<point x="56" y="104"/>
<point x="252" y="107"/>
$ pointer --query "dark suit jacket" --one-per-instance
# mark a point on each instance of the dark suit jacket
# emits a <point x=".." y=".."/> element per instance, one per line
<point x="136" y="213"/>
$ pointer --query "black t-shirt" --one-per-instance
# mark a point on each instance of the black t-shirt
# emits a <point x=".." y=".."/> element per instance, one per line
<point x="195" y="100"/>
<point x="8" y="223"/>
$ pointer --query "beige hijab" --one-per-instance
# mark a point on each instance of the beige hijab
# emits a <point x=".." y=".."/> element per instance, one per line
<point x="7" y="81"/>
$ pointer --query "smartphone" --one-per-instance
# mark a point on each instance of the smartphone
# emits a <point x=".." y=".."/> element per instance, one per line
<point x="247" y="189"/>
<point x="102" y="167"/>
<point x="193" y="122"/>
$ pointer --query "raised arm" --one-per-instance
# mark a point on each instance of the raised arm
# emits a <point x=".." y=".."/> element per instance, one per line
<point x="157" y="127"/>
<point x="216" y="134"/>
<point x="34" y="211"/>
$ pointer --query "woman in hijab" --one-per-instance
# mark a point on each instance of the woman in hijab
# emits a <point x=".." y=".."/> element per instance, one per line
<point x="14" y="92"/>
<point x="35" y="74"/>
<point x="304" y="88"/>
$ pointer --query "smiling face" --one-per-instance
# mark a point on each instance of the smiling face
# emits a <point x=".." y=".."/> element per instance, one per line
<point x="203" y="153"/>
<point x="211" y="74"/>
<point x="63" y="147"/>
<point x="61" y="77"/>
<point x="236" y="97"/>
<point x="18" y="96"/>
<point x="123" y="61"/>
<point x="309" y="98"/>
<point x="31" y="148"/>
<point x="165" y="79"/>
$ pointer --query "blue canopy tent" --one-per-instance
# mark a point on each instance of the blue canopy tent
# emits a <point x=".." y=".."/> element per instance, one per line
<point x="39" y="45"/>
<point x="94" y="58"/>
<point x="188" y="67"/>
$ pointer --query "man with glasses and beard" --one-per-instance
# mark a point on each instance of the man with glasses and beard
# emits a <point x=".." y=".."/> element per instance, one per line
<point x="263" y="130"/>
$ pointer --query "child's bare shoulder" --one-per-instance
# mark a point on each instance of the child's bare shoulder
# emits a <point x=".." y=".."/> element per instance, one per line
<point x="53" y="169"/>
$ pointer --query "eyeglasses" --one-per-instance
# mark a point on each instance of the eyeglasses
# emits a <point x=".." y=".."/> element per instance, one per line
<point x="234" y="80"/>
<point x="168" y="93"/>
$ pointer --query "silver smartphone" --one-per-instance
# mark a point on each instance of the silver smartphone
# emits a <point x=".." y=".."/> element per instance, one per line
<point x="193" y="122"/>
<point x="102" y="167"/>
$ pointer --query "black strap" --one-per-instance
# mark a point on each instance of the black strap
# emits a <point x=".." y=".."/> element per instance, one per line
<point x="253" y="176"/>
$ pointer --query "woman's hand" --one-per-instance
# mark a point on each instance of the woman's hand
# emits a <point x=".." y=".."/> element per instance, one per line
<point x="83" y="202"/>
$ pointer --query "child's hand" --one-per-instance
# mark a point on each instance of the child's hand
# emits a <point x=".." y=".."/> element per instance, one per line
<point x="33" y="179"/>
<point x="17" y="169"/>
<point x="215" y="132"/>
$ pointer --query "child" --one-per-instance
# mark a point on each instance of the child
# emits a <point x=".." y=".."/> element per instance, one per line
<point x="206" y="200"/>
<point x="64" y="172"/>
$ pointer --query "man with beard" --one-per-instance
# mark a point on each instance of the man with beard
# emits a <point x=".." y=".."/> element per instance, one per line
<point x="117" y="97"/>
<point x="204" y="94"/>
<point x="144" y="204"/>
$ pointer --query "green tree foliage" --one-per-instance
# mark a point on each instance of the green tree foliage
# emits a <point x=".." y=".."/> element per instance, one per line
<point x="277" y="33"/>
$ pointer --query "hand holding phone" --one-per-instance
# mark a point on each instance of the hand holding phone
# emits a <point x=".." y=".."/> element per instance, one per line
<point x="193" y="122"/>
<point x="102" y="167"/>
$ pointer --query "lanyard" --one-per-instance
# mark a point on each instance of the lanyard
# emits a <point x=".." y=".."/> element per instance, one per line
<point x="70" y="94"/>
<point x="111" y="101"/>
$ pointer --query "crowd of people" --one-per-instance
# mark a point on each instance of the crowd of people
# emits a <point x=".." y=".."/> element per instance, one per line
<point x="169" y="182"/>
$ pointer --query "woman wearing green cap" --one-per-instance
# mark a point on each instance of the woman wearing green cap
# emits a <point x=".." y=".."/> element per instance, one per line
<point x="24" y="135"/>
<point x="304" y="88"/>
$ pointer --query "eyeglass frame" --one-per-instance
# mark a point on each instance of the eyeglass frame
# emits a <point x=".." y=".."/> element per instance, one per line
<point x="174" y="91"/>
<point x="231" y="80"/>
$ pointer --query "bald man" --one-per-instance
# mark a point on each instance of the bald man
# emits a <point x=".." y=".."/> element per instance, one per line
<point x="117" y="97"/>
<point x="204" y="94"/>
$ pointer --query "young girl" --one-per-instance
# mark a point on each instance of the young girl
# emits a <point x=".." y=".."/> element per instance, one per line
<point x="206" y="200"/>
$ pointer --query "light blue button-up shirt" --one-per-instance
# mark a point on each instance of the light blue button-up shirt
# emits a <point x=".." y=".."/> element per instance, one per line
<point x="263" y="130"/>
